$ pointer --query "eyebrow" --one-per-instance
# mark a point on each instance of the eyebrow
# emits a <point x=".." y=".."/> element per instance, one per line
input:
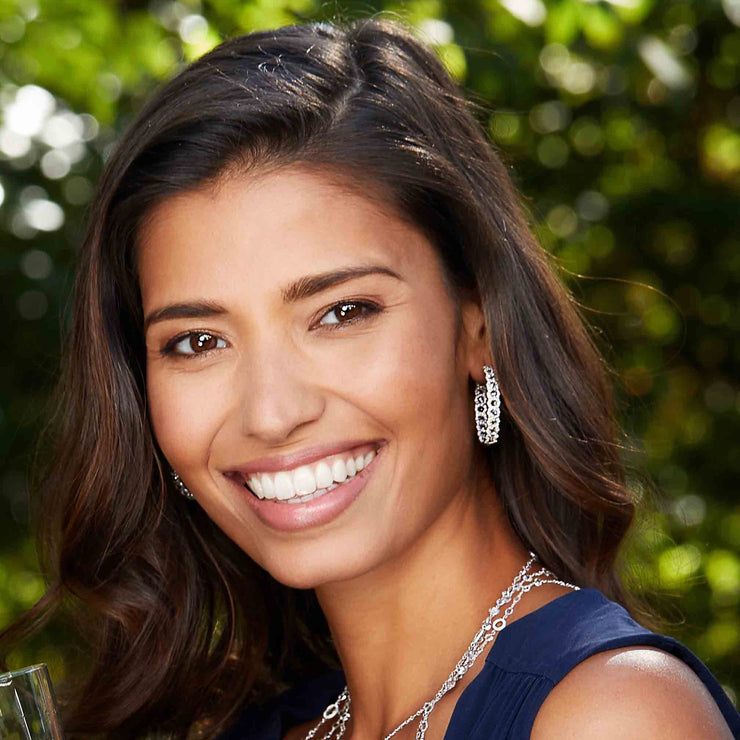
<point x="310" y="285"/>
<point x="302" y="288"/>
<point x="197" y="310"/>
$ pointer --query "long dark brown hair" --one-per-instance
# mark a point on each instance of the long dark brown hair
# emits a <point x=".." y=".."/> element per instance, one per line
<point x="182" y="627"/>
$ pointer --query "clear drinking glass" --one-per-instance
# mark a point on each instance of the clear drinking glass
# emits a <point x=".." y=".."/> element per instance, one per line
<point x="27" y="707"/>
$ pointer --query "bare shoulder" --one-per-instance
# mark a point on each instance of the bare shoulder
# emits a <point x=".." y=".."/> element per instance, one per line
<point x="630" y="693"/>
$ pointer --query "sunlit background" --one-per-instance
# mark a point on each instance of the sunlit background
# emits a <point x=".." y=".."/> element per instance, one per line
<point x="621" y="121"/>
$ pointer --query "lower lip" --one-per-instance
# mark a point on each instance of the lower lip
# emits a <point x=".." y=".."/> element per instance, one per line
<point x="321" y="510"/>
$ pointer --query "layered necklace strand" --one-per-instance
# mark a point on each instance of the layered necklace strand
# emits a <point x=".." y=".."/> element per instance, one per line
<point x="340" y="711"/>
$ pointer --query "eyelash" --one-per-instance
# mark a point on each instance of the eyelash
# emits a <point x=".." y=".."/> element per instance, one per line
<point x="369" y="309"/>
<point x="170" y="350"/>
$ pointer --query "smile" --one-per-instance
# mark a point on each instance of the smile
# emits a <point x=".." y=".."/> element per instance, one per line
<point x="307" y="482"/>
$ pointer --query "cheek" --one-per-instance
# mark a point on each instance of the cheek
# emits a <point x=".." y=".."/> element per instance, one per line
<point x="404" y="376"/>
<point x="186" y="409"/>
<point x="418" y="370"/>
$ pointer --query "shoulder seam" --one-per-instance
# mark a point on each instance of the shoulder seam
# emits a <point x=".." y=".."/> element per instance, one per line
<point x="518" y="672"/>
<point x="491" y="698"/>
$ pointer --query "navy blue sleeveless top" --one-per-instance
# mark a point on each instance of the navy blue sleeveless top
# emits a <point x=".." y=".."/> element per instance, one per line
<point x="525" y="662"/>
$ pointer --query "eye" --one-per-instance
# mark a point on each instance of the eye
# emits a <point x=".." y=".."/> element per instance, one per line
<point x="347" y="312"/>
<point x="195" y="343"/>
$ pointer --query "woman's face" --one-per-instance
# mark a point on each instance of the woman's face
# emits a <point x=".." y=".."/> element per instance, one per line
<point x="307" y="371"/>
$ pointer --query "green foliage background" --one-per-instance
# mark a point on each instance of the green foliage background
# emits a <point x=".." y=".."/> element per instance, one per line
<point x="621" y="122"/>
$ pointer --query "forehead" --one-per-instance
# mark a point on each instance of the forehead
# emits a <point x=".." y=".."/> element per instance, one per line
<point x="269" y="229"/>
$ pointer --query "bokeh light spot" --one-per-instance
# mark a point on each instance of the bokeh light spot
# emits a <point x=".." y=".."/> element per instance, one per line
<point x="677" y="565"/>
<point x="437" y="32"/>
<point x="546" y="118"/>
<point x="723" y="571"/>
<point x="44" y="215"/>
<point x="562" y="220"/>
<point x="599" y="241"/>
<point x="719" y="397"/>
<point x="554" y="58"/>
<point x="13" y="144"/>
<point x="29" y="111"/>
<point x="531" y="12"/>
<point x="505" y="126"/>
<point x="579" y="78"/>
<point x="690" y="510"/>
<point x="62" y="130"/>
<point x="193" y="29"/>
<point x="587" y="137"/>
<point x="56" y="164"/>
<point x="662" y="323"/>
<point x="721" y="638"/>
<point x="78" y="190"/>
<point x="32" y="305"/>
<point x="553" y="151"/>
<point x="591" y="205"/>
<point x="12" y="29"/>
<point x="660" y="59"/>
<point x="638" y="380"/>
<point x="36" y="264"/>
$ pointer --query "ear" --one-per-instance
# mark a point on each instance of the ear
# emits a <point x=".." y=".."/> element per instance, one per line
<point x="475" y="346"/>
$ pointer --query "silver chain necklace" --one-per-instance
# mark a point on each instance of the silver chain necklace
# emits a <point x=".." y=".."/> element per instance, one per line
<point x="340" y="710"/>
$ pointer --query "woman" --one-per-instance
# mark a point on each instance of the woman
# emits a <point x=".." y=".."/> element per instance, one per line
<point x="308" y="303"/>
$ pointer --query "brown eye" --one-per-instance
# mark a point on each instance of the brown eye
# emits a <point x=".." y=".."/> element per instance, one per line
<point x="344" y="313"/>
<point x="203" y="342"/>
<point x="195" y="343"/>
<point x="349" y="311"/>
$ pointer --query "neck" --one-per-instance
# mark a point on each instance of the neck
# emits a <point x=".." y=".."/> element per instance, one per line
<point x="400" y="629"/>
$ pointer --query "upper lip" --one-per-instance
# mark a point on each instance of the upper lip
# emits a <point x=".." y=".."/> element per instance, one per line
<point x="306" y="456"/>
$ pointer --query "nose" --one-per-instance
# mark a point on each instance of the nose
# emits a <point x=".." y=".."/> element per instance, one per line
<point x="278" y="396"/>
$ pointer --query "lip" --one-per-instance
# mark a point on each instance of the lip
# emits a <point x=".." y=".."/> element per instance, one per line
<point x="293" y="517"/>
<point x="289" y="461"/>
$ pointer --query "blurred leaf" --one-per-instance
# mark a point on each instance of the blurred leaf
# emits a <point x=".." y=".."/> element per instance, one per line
<point x="635" y="11"/>
<point x="454" y="59"/>
<point x="723" y="571"/>
<point x="677" y="565"/>
<point x="601" y="27"/>
<point x="563" y="22"/>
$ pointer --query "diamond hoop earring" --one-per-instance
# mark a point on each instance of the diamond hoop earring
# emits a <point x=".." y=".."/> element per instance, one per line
<point x="180" y="486"/>
<point x="487" y="408"/>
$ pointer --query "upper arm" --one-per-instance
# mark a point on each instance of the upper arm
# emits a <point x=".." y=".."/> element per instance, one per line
<point x="626" y="693"/>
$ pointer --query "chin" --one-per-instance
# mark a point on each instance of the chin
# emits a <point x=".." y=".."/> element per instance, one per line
<point x="321" y="563"/>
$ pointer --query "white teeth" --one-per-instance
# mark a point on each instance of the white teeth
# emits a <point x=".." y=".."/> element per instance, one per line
<point x="339" y="471"/>
<point x="324" y="477"/>
<point x="256" y="486"/>
<point x="304" y="481"/>
<point x="268" y="487"/>
<point x="308" y="481"/>
<point x="284" y="486"/>
<point x="319" y="492"/>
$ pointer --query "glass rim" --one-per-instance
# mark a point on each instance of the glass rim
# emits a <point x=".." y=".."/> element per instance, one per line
<point x="21" y="671"/>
